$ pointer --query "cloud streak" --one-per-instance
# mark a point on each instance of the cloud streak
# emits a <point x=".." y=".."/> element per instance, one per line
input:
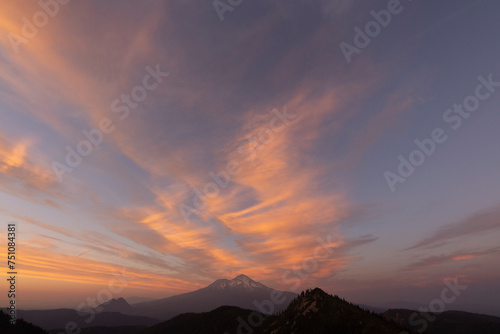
<point x="480" y="222"/>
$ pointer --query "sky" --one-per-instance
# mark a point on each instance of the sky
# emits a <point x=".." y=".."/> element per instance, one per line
<point x="186" y="141"/>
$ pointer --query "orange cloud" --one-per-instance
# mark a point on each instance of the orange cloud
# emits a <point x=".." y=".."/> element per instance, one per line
<point x="464" y="257"/>
<point x="19" y="173"/>
<point x="265" y="221"/>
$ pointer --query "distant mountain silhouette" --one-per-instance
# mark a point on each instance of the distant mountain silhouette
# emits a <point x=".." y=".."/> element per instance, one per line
<point x="221" y="320"/>
<point x="241" y="291"/>
<point x="21" y="326"/>
<point x="374" y="309"/>
<point x="449" y="322"/>
<point x="105" y="330"/>
<point x="117" y="305"/>
<point x="58" y="318"/>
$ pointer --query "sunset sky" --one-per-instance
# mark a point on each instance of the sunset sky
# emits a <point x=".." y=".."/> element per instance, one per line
<point x="268" y="95"/>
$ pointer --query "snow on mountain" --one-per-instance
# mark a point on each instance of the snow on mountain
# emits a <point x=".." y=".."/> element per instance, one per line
<point x="239" y="282"/>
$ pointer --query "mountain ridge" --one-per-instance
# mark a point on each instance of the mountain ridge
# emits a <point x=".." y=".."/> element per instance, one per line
<point x="311" y="312"/>
<point x="315" y="312"/>
<point x="445" y="322"/>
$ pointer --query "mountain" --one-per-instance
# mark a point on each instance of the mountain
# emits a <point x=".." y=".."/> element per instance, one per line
<point x="224" y="319"/>
<point x="21" y="327"/>
<point x="241" y="291"/>
<point x="104" y="330"/>
<point x="313" y="312"/>
<point x="117" y="305"/>
<point x="58" y="318"/>
<point x="239" y="283"/>
<point x="316" y="312"/>
<point x="449" y="322"/>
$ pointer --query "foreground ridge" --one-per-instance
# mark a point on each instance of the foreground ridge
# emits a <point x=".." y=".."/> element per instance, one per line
<point x="315" y="311"/>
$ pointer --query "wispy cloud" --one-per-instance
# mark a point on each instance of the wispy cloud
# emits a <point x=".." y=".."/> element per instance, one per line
<point x="435" y="260"/>
<point x="484" y="221"/>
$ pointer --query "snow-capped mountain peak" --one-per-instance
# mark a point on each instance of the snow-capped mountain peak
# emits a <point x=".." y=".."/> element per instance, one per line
<point x="239" y="282"/>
